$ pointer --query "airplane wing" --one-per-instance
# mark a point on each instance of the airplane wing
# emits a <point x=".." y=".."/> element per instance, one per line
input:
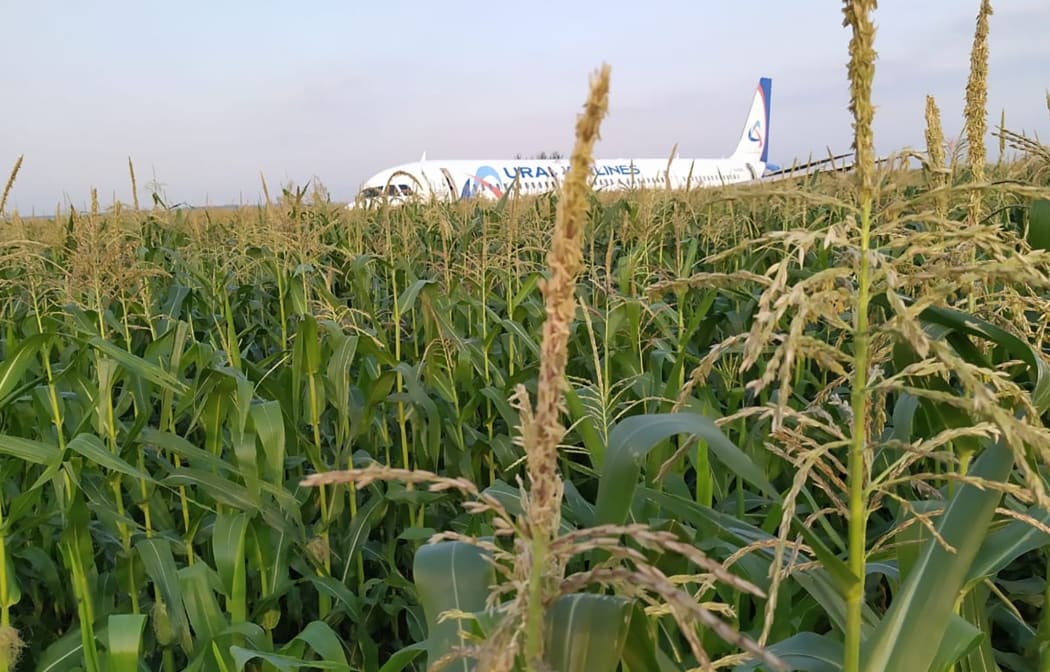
<point x="834" y="163"/>
<point x="841" y="163"/>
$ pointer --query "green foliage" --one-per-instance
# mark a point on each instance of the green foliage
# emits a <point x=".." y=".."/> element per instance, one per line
<point x="154" y="431"/>
<point x="1039" y="224"/>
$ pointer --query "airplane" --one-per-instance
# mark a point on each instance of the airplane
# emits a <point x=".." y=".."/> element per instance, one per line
<point x="450" y="180"/>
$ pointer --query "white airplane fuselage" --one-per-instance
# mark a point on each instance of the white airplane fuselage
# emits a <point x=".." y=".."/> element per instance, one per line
<point x="455" y="179"/>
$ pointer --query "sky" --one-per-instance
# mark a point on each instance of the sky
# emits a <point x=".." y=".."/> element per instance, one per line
<point x="205" y="97"/>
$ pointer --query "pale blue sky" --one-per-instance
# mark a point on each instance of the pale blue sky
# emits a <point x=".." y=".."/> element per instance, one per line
<point x="207" y="95"/>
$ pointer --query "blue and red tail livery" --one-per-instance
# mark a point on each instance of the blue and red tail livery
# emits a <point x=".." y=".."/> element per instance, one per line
<point x="754" y="141"/>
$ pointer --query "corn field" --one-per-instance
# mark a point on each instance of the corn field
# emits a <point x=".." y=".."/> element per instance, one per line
<point x="789" y="426"/>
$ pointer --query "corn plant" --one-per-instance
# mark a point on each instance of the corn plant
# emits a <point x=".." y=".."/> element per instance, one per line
<point x="798" y="425"/>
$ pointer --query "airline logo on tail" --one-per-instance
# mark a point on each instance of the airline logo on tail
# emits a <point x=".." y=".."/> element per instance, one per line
<point x="755" y="134"/>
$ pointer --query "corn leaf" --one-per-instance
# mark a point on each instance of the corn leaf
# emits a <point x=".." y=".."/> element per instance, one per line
<point x="12" y="368"/>
<point x="450" y="575"/>
<point x="281" y="662"/>
<point x="974" y="326"/>
<point x="36" y="452"/>
<point x="124" y="646"/>
<point x="1007" y="543"/>
<point x="228" y="546"/>
<point x="1038" y="225"/>
<point x="403" y="658"/>
<point x="630" y="441"/>
<point x="137" y="365"/>
<point x="159" y="563"/>
<point x="91" y="447"/>
<point x="804" y="652"/>
<point x="586" y="632"/>
<point x="920" y="611"/>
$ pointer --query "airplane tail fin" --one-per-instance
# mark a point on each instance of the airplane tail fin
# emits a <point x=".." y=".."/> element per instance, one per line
<point x="754" y="140"/>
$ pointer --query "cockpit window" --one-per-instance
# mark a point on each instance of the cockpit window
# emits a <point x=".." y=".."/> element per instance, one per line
<point x="391" y="190"/>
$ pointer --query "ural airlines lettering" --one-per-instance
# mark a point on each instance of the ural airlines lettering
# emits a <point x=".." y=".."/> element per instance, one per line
<point x="537" y="172"/>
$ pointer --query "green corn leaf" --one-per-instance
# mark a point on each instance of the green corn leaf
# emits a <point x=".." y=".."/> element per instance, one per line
<point x="137" y="365"/>
<point x="423" y="402"/>
<point x="284" y="663"/>
<point x="13" y="592"/>
<point x="216" y="395"/>
<point x="804" y="652"/>
<point x="334" y="588"/>
<point x="450" y="575"/>
<point x="360" y="527"/>
<point x="818" y="582"/>
<point x="631" y="439"/>
<point x="1038" y="225"/>
<point x="584" y="424"/>
<point x="975" y="611"/>
<point x="222" y="490"/>
<point x="521" y="336"/>
<point x="339" y="377"/>
<point x="577" y="509"/>
<point x="403" y="658"/>
<point x="202" y="608"/>
<point x="407" y="300"/>
<point x="36" y="452"/>
<point x="228" y="546"/>
<point x="527" y="288"/>
<point x="268" y="424"/>
<point x="911" y="539"/>
<point x="960" y="639"/>
<point x="64" y="654"/>
<point x="12" y="368"/>
<point x="159" y="563"/>
<point x="308" y="345"/>
<point x="974" y="326"/>
<point x="198" y="458"/>
<point x="499" y="401"/>
<point x="91" y="447"/>
<point x="124" y="645"/>
<point x="1004" y="545"/>
<point x="640" y="651"/>
<point x="322" y="639"/>
<point x="77" y="549"/>
<point x="921" y="609"/>
<point x="510" y="498"/>
<point x="586" y="632"/>
<point x="836" y="567"/>
<point x="106" y="377"/>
